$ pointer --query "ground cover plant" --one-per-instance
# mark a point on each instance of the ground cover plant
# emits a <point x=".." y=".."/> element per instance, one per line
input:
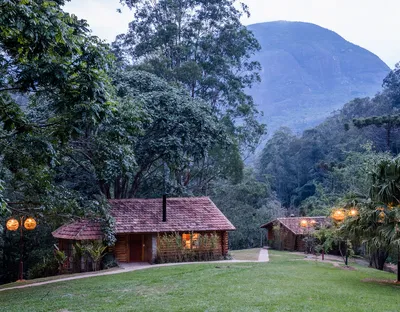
<point x="286" y="283"/>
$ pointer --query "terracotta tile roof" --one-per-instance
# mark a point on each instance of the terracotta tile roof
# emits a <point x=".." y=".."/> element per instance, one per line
<point x="80" y="230"/>
<point x="183" y="214"/>
<point x="145" y="216"/>
<point x="293" y="223"/>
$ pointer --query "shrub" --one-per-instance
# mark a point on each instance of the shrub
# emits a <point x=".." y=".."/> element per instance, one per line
<point x="48" y="267"/>
<point x="109" y="261"/>
<point x="170" y="248"/>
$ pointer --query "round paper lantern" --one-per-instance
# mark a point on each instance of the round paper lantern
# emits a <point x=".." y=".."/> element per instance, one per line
<point x="339" y="215"/>
<point x="12" y="225"/>
<point x="30" y="224"/>
<point x="353" y="212"/>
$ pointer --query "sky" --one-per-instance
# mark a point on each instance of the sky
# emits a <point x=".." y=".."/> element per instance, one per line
<point x="371" y="24"/>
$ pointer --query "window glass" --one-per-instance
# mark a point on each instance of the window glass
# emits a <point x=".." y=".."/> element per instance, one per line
<point x="190" y="241"/>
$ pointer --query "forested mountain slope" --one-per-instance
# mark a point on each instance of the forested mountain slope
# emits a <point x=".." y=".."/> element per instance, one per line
<point x="308" y="72"/>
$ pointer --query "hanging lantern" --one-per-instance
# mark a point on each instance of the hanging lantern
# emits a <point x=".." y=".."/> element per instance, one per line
<point x="303" y="223"/>
<point x="12" y="224"/>
<point x="30" y="224"/>
<point x="353" y="212"/>
<point x="338" y="215"/>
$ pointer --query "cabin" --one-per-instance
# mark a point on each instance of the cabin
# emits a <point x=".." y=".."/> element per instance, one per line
<point x="150" y="230"/>
<point x="288" y="233"/>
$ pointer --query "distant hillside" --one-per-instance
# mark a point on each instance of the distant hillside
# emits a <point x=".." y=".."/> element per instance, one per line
<point x="308" y="72"/>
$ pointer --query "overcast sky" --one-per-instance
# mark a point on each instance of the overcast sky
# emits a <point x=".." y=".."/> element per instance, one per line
<point x="372" y="24"/>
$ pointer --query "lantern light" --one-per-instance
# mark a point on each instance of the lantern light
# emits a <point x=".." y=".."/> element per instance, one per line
<point x="339" y="215"/>
<point x="12" y="224"/>
<point x="30" y="224"/>
<point x="353" y="212"/>
<point x="313" y="222"/>
<point x="303" y="223"/>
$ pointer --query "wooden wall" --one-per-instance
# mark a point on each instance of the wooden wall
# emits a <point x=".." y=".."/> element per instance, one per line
<point x="121" y="248"/>
<point x="289" y="241"/>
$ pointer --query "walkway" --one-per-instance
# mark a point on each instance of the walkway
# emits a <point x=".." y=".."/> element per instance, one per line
<point x="263" y="255"/>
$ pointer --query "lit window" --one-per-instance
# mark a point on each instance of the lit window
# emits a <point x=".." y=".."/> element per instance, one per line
<point x="190" y="240"/>
<point x="186" y="240"/>
<point x="195" y="240"/>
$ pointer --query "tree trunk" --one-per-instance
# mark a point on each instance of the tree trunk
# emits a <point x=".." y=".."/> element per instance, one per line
<point x="378" y="259"/>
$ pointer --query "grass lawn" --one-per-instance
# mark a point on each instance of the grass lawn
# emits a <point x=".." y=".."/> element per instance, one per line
<point x="245" y="254"/>
<point x="287" y="283"/>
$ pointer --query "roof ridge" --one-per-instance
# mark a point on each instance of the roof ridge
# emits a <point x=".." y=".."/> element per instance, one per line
<point x="157" y="198"/>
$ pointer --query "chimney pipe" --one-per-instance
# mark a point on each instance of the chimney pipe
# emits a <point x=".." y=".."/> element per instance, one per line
<point x="164" y="208"/>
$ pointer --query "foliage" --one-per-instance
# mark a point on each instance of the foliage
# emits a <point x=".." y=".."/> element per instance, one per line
<point x="325" y="239"/>
<point x="54" y="87"/>
<point x="377" y="223"/>
<point x="49" y="266"/>
<point x="96" y="251"/>
<point x="311" y="173"/>
<point x="203" y="46"/>
<point x="247" y="204"/>
<point x="170" y="248"/>
<point x="61" y="259"/>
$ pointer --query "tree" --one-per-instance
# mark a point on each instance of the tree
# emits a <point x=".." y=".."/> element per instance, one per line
<point x="49" y="53"/>
<point x="247" y="204"/>
<point x="277" y="165"/>
<point x="388" y="122"/>
<point x="378" y="218"/>
<point x="159" y="133"/>
<point x="202" y="46"/>
<point x="53" y="86"/>
<point x="391" y="84"/>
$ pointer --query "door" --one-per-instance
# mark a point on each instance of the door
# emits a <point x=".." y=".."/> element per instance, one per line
<point x="136" y="248"/>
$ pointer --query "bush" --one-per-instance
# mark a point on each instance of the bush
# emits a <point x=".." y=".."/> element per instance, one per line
<point x="49" y="267"/>
<point x="108" y="261"/>
<point x="170" y="248"/>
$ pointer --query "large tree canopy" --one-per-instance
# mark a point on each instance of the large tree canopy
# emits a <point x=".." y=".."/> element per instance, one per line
<point x="53" y="86"/>
<point x="203" y="46"/>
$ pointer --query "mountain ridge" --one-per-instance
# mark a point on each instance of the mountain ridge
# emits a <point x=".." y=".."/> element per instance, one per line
<point x="309" y="71"/>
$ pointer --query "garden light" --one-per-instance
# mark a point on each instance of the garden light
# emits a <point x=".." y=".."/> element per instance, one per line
<point x="12" y="225"/>
<point x="30" y="224"/>
<point x="339" y="215"/>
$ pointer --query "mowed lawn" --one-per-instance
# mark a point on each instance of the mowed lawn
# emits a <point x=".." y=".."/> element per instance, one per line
<point x="287" y="283"/>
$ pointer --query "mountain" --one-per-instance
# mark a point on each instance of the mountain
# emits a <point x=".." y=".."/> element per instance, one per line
<point x="308" y="72"/>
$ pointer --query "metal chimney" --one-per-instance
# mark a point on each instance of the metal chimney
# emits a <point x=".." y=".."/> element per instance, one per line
<point x="164" y="208"/>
